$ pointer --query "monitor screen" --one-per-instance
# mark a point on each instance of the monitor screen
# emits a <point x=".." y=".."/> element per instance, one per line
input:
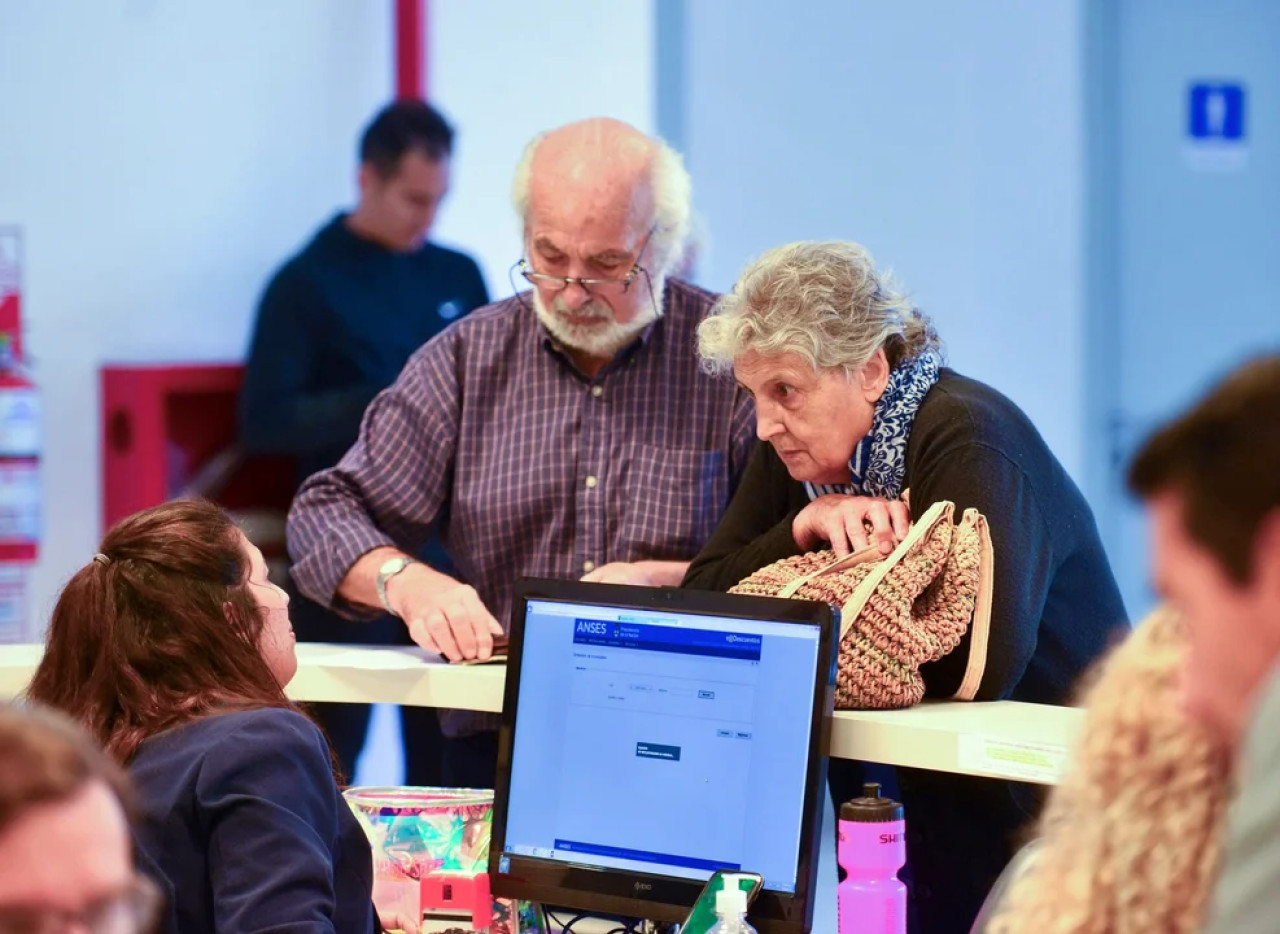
<point x="655" y="736"/>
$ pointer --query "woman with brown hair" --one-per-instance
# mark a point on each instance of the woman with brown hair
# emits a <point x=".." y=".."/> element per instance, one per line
<point x="173" y="648"/>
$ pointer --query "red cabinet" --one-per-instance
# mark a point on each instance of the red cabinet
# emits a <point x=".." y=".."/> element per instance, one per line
<point x="170" y="430"/>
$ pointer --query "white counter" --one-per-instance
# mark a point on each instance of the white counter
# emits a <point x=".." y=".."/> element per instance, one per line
<point x="998" y="740"/>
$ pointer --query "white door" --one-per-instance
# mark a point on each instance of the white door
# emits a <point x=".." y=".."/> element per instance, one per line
<point x="1198" y="237"/>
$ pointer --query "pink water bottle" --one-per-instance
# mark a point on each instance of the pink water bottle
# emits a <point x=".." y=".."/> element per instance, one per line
<point x="873" y="847"/>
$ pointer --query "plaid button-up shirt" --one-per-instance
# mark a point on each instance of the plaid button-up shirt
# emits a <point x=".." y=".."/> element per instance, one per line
<point x="533" y="468"/>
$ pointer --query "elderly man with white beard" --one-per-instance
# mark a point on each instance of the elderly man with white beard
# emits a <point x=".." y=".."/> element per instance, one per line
<point x="565" y="432"/>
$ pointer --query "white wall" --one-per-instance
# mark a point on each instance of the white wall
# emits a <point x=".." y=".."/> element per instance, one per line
<point x="504" y="71"/>
<point x="162" y="157"/>
<point x="947" y="137"/>
<point x="1197" y="287"/>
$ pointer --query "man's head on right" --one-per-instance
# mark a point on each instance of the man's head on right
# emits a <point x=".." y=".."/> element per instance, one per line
<point x="1211" y="482"/>
<point x="404" y="173"/>
<point x="598" y="199"/>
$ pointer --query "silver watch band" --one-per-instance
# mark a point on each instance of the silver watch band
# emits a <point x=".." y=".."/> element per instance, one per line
<point x="384" y="578"/>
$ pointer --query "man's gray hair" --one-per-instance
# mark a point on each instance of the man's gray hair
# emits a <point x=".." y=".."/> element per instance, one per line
<point x="672" y="196"/>
<point x="823" y="300"/>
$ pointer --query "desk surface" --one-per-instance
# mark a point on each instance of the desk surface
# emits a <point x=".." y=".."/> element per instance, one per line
<point x="1004" y="739"/>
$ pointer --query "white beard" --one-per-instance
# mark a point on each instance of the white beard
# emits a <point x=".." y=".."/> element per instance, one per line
<point x="604" y="337"/>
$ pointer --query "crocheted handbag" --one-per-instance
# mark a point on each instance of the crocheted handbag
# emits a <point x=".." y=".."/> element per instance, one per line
<point x="901" y="611"/>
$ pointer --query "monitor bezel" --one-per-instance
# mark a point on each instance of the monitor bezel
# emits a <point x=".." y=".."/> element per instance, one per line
<point x="639" y="895"/>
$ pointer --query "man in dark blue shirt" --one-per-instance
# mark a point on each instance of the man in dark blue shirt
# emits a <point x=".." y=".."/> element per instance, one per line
<point x="335" y="326"/>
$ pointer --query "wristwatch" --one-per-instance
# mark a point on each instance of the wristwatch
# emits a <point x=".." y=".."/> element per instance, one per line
<point x="389" y="569"/>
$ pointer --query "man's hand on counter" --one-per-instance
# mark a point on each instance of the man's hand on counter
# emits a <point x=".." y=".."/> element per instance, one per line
<point x="443" y="615"/>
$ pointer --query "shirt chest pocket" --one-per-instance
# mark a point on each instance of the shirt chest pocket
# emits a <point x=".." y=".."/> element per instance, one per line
<point x="671" y="502"/>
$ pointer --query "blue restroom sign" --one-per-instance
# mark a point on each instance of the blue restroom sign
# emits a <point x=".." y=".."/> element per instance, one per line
<point x="1216" y="113"/>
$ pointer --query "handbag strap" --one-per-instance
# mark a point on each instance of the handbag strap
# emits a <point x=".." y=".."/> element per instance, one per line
<point x="861" y="556"/>
<point x="980" y="630"/>
<point x="938" y="513"/>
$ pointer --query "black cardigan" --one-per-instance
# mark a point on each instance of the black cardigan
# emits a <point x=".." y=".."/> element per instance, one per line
<point x="1056" y="606"/>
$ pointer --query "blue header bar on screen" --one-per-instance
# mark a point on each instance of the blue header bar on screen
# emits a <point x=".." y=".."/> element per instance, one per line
<point x="644" y="856"/>
<point x="743" y="646"/>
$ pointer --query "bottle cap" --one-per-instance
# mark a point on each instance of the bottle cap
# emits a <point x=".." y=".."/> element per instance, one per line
<point x="731" y="900"/>
<point x="871" y="808"/>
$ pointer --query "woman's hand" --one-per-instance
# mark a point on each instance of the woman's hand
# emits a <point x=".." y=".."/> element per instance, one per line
<point x="640" y="573"/>
<point x="395" y="921"/>
<point x="842" y="522"/>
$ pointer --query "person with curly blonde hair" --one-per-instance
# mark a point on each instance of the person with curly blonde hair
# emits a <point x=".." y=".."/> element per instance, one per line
<point x="1211" y="482"/>
<point x="1130" y="840"/>
<point x="1169" y="819"/>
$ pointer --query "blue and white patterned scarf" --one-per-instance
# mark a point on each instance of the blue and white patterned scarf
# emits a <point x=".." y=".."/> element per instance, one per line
<point x="880" y="459"/>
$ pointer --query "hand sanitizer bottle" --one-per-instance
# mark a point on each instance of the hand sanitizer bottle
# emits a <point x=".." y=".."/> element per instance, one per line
<point x="731" y="909"/>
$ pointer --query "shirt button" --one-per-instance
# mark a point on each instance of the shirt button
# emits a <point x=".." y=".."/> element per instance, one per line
<point x="597" y="391"/>
<point x="591" y="483"/>
<point x="588" y="566"/>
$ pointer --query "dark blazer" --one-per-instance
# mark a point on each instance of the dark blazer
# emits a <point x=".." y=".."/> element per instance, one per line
<point x="244" y="828"/>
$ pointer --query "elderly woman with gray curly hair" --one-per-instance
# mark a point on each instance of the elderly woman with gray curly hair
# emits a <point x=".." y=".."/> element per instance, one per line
<point x="851" y="395"/>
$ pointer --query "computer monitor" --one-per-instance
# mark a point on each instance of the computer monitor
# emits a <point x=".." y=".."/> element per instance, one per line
<point x="651" y="736"/>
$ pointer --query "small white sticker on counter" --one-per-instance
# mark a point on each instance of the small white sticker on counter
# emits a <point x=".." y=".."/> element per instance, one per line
<point x="1032" y="762"/>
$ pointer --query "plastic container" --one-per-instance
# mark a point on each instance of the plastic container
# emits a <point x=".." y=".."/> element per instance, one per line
<point x="872" y="848"/>
<point x="418" y="831"/>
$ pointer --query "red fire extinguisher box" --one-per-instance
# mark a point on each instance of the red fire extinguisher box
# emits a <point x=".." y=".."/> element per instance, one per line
<point x="170" y="430"/>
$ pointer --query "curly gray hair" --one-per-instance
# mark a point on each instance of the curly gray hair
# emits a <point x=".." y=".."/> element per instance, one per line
<point x="822" y="299"/>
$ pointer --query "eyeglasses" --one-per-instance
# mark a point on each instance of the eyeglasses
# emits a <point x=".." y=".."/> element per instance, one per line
<point x="593" y="285"/>
<point x="133" y="910"/>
